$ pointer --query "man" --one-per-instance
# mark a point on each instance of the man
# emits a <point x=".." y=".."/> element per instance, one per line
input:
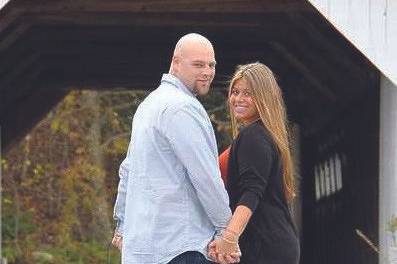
<point x="171" y="200"/>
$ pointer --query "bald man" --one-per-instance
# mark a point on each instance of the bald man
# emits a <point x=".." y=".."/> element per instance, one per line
<point x="171" y="201"/>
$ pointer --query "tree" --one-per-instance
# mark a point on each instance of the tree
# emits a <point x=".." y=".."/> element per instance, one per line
<point x="59" y="183"/>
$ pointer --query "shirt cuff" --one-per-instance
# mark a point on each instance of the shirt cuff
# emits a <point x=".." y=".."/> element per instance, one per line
<point x="119" y="228"/>
<point x="218" y="233"/>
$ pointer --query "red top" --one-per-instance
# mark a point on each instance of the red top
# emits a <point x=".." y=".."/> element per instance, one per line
<point x="223" y="163"/>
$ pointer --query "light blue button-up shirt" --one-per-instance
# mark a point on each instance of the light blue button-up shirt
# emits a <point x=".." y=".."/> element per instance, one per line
<point x="171" y="198"/>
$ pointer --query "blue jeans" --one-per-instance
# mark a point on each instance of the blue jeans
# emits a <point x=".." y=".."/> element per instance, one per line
<point x="190" y="257"/>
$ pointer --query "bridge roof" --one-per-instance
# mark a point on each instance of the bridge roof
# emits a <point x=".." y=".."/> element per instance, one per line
<point x="48" y="47"/>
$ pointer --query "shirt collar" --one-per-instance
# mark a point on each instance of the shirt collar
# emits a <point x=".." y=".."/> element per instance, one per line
<point x="171" y="79"/>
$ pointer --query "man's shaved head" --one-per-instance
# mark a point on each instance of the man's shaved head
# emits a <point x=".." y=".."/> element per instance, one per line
<point x="193" y="62"/>
<point x="190" y="41"/>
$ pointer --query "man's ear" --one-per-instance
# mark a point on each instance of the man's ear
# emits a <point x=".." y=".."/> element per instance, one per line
<point x="176" y="59"/>
<point x="175" y="64"/>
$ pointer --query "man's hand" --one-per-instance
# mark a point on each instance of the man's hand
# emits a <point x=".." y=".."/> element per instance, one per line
<point x="117" y="241"/>
<point x="222" y="257"/>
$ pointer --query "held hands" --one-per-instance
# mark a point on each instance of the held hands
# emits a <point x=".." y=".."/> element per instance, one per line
<point x="225" y="250"/>
<point x="223" y="258"/>
<point x="117" y="241"/>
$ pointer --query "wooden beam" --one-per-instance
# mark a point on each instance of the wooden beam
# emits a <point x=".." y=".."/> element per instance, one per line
<point x="340" y="56"/>
<point x="20" y="15"/>
<point x="17" y="71"/>
<point x="8" y="15"/>
<point x="148" y="6"/>
<point x="13" y="35"/>
<point x="320" y="87"/>
<point x="17" y="119"/>
<point x="20" y="87"/>
<point x="159" y="19"/>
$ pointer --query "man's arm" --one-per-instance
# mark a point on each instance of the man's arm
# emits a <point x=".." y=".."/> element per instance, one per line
<point x="190" y="135"/>
<point x="119" y="206"/>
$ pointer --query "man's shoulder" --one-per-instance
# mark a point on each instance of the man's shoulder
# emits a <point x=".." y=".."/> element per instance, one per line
<point x="175" y="99"/>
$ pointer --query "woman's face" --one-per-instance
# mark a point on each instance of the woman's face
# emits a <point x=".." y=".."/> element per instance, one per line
<point x="242" y="103"/>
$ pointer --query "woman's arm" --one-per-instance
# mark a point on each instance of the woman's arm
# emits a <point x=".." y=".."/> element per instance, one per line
<point x="228" y="243"/>
<point x="255" y="157"/>
<point x="239" y="221"/>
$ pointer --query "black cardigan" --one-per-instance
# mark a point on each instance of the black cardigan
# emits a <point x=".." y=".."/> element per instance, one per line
<point x="255" y="180"/>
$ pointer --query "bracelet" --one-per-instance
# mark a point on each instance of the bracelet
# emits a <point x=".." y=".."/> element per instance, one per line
<point x="232" y="232"/>
<point x="229" y="241"/>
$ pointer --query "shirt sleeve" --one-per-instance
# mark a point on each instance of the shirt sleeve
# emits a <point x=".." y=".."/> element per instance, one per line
<point x="119" y="206"/>
<point x="255" y="156"/>
<point x="191" y="136"/>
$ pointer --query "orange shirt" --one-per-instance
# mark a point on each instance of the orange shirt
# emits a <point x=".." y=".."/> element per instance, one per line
<point x="223" y="164"/>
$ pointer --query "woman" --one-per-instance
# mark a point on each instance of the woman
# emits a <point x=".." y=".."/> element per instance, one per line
<point x="260" y="173"/>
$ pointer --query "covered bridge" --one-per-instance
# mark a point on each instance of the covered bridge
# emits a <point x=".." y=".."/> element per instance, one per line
<point x="332" y="90"/>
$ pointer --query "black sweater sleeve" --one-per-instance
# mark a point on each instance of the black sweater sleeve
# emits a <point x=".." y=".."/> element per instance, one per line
<point x="255" y="157"/>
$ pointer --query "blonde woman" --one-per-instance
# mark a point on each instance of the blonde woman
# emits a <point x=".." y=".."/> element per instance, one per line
<point x="260" y="173"/>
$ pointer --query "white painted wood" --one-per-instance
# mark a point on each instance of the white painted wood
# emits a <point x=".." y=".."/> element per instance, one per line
<point x="3" y="3"/>
<point x="371" y="25"/>
<point x="388" y="171"/>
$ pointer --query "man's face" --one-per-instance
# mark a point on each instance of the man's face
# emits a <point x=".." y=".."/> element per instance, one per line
<point x="195" y="67"/>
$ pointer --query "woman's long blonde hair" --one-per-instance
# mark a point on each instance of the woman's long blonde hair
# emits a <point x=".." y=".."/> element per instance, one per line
<point x="269" y="102"/>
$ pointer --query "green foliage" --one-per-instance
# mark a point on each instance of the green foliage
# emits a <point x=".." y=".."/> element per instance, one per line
<point x="10" y="253"/>
<point x="84" y="252"/>
<point x="60" y="182"/>
<point x="9" y="221"/>
<point x="216" y="105"/>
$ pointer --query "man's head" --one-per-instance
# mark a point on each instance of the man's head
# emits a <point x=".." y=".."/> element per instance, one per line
<point x="194" y="62"/>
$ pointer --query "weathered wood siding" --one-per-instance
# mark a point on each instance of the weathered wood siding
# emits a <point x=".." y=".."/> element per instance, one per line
<point x="371" y="25"/>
